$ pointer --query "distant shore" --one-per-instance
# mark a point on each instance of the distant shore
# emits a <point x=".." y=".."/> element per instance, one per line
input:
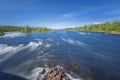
<point x="24" y="29"/>
<point x="108" y="32"/>
<point x="114" y="33"/>
<point x="107" y="27"/>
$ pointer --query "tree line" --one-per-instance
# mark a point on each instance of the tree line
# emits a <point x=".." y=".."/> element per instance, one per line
<point x="25" y="29"/>
<point x="103" y="27"/>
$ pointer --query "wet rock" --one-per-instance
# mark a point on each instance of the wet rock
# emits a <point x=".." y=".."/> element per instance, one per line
<point x="56" y="74"/>
<point x="43" y="71"/>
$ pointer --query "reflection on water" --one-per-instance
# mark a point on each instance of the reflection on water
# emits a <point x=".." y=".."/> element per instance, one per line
<point x="85" y="55"/>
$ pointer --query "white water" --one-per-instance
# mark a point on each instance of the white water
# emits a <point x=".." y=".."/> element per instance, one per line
<point x="70" y="41"/>
<point x="12" y="34"/>
<point x="8" y="51"/>
<point x="84" y="33"/>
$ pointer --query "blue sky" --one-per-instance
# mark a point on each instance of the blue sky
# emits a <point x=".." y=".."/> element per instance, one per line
<point x="58" y="13"/>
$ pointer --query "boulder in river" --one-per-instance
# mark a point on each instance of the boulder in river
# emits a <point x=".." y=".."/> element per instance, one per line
<point x="56" y="73"/>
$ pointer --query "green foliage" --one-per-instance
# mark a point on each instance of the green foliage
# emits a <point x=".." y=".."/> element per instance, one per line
<point x="41" y="29"/>
<point x="103" y="27"/>
<point x="9" y="28"/>
<point x="25" y="29"/>
<point x="1" y="33"/>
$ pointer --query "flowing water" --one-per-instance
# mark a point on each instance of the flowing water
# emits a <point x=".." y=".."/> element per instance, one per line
<point x="83" y="55"/>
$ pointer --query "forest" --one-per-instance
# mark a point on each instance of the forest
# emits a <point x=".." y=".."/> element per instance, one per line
<point x="113" y="27"/>
<point x="25" y="29"/>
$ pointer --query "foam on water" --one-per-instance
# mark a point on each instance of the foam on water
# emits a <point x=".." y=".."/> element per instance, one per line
<point x="73" y="41"/>
<point x="12" y="34"/>
<point x="82" y="33"/>
<point x="34" y="45"/>
<point x="8" y="50"/>
<point x="36" y="72"/>
<point x="48" y="45"/>
<point x="4" y="48"/>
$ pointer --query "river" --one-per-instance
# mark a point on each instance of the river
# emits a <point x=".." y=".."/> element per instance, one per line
<point x="83" y="55"/>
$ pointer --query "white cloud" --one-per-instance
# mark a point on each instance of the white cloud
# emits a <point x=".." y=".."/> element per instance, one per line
<point x="97" y="22"/>
<point x="67" y="15"/>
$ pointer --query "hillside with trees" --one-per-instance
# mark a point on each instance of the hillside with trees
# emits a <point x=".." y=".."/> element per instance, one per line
<point x="113" y="27"/>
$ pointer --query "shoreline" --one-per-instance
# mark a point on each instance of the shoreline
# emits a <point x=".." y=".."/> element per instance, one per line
<point x="2" y="34"/>
<point x="118" y="33"/>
